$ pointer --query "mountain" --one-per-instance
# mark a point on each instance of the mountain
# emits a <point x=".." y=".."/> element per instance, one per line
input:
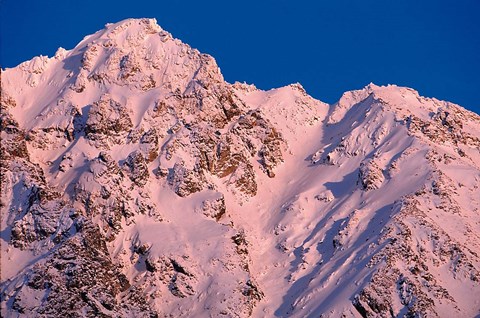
<point x="136" y="182"/>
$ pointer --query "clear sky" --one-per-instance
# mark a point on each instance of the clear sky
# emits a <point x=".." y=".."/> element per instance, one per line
<point x="329" y="47"/>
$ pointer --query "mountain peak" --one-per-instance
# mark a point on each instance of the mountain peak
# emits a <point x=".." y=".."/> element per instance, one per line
<point x="387" y="93"/>
<point x="134" y="55"/>
<point x="136" y="182"/>
<point x="129" y="31"/>
<point x="403" y="101"/>
<point x="150" y="24"/>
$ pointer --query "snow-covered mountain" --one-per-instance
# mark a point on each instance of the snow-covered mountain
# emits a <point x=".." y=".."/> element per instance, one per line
<point x="136" y="182"/>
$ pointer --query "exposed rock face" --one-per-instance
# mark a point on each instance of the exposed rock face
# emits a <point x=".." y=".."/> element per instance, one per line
<point x="149" y="144"/>
<point x="370" y="175"/>
<point x="214" y="208"/>
<point x="184" y="181"/>
<point x="150" y="187"/>
<point x="78" y="278"/>
<point x="138" y="168"/>
<point x="41" y="222"/>
<point x="107" y="121"/>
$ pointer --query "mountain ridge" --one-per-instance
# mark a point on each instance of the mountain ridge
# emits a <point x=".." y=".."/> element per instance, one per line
<point x="137" y="182"/>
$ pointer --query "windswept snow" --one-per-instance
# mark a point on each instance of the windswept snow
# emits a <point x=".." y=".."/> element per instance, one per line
<point x="136" y="182"/>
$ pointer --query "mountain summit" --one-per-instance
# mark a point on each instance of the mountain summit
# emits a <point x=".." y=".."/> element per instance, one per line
<point x="136" y="182"/>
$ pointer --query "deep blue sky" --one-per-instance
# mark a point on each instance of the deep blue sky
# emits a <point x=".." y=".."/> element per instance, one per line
<point x="327" y="46"/>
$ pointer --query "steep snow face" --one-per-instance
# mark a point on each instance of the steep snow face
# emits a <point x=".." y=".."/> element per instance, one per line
<point x="136" y="182"/>
<point x="358" y="221"/>
<point x="125" y="59"/>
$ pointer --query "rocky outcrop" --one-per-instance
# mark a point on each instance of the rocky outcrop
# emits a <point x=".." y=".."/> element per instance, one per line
<point x="445" y="126"/>
<point x="406" y="273"/>
<point x="78" y="277"/>
<point x="370" y="175"/>
<point x="41" y="221"/>
<point x="108" y="122"/>
<point x="184" y="181"/>
<point x="149" y="144"/>
<point x="138" y="169"/>
<point x="214" y="208"/>
<point x="226" y="155"/>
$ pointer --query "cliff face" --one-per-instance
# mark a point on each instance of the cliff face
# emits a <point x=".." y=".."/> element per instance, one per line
<point x="137" y="182"/>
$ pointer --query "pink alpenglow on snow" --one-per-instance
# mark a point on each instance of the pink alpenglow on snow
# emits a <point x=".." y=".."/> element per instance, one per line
<point x="136" y="182"/>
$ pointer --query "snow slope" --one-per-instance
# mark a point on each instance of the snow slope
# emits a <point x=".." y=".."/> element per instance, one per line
<point x="137" y="182"/>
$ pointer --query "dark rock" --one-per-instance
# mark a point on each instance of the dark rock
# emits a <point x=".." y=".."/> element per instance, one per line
<point x="150" y="142"/>
<point x="107" y="118"/>
<point x="185" y="181"/>
<point x="138" y="168"/>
